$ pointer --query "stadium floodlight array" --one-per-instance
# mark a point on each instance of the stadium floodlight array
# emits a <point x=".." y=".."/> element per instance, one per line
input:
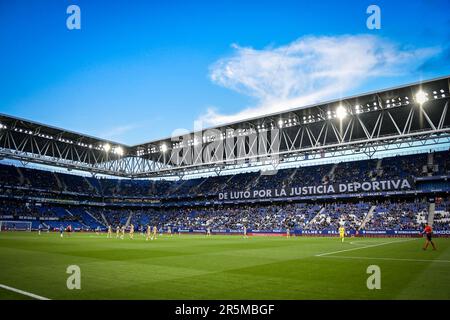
<point x="357" y="125"/>
<point x="15" y="225"/>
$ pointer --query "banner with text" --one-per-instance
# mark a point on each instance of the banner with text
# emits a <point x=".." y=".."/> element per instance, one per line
<point x="322" y="189"/>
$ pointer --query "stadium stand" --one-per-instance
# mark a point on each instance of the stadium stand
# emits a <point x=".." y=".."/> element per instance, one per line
<point x="399" y="216"/>
<point x="88" y="203"/>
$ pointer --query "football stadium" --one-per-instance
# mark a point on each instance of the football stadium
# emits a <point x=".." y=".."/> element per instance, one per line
<point x="313" y="175"/>
<point x="295" y="205"/>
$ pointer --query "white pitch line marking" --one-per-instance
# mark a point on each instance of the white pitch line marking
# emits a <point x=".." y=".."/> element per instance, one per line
<point x="25" y="293"/>
<point x="389" y="259"/>
<point x="362" y="242"/>
<point x="360" y="248"/>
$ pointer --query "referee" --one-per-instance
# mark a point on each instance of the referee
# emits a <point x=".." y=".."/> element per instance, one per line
<point x="429" y="233"/>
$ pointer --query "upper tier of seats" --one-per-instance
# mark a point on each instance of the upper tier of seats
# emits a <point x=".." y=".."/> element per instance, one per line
<point x="418" y="165"/>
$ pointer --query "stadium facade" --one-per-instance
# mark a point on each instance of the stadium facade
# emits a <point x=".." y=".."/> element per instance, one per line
<point x="385" y="168"/>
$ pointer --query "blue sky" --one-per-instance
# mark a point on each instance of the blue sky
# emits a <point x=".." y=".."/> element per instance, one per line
<point x="137" y="70"/>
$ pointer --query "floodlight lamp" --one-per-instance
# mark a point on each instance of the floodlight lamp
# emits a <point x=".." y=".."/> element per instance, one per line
<point x="163" y="147"/>
<point x="421" y="97"/>
<point x="106" y="147"/>
<point x="119" y="151"/>
<point x="341" y="112"/>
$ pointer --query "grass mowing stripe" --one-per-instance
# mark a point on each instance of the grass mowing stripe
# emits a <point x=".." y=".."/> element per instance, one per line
<point x="25" y="293"/>
<point x="365" y="247"/>
<point x="388" y="259"/>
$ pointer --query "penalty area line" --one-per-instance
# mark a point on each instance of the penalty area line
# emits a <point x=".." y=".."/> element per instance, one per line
<point x="360" y="248"/>
<point x="25" y="293"/>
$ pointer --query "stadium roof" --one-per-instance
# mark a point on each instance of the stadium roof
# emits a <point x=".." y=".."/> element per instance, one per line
<point x="31" y="141"/>
<point x="395" y="117"/>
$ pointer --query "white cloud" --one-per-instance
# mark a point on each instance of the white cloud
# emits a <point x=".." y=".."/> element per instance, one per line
<point x="308" y="70"/>
<point x="118" y="132"/>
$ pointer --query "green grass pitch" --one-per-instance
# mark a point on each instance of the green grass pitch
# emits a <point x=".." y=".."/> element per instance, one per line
<point x="221" y="267"/>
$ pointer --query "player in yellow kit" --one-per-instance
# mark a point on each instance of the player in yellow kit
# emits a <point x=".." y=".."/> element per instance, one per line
<point x="123" y="232"/>
<point x="132" y="231"/>
<point x="109" y="231"/>
<point x="342" y="233"/>
<point x="117" y="231"/>
<point x="149" y="232"/>
<point x="155" y="230"/>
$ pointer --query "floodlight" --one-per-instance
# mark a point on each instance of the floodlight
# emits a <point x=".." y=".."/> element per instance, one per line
<point x="280" y="123"/>
<point x="421" y="97"/>
<point x="119" y="151"/>
<point x="341" y="112"/>
<point x="106" y="147"/>
<point x="163" y="147"/>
